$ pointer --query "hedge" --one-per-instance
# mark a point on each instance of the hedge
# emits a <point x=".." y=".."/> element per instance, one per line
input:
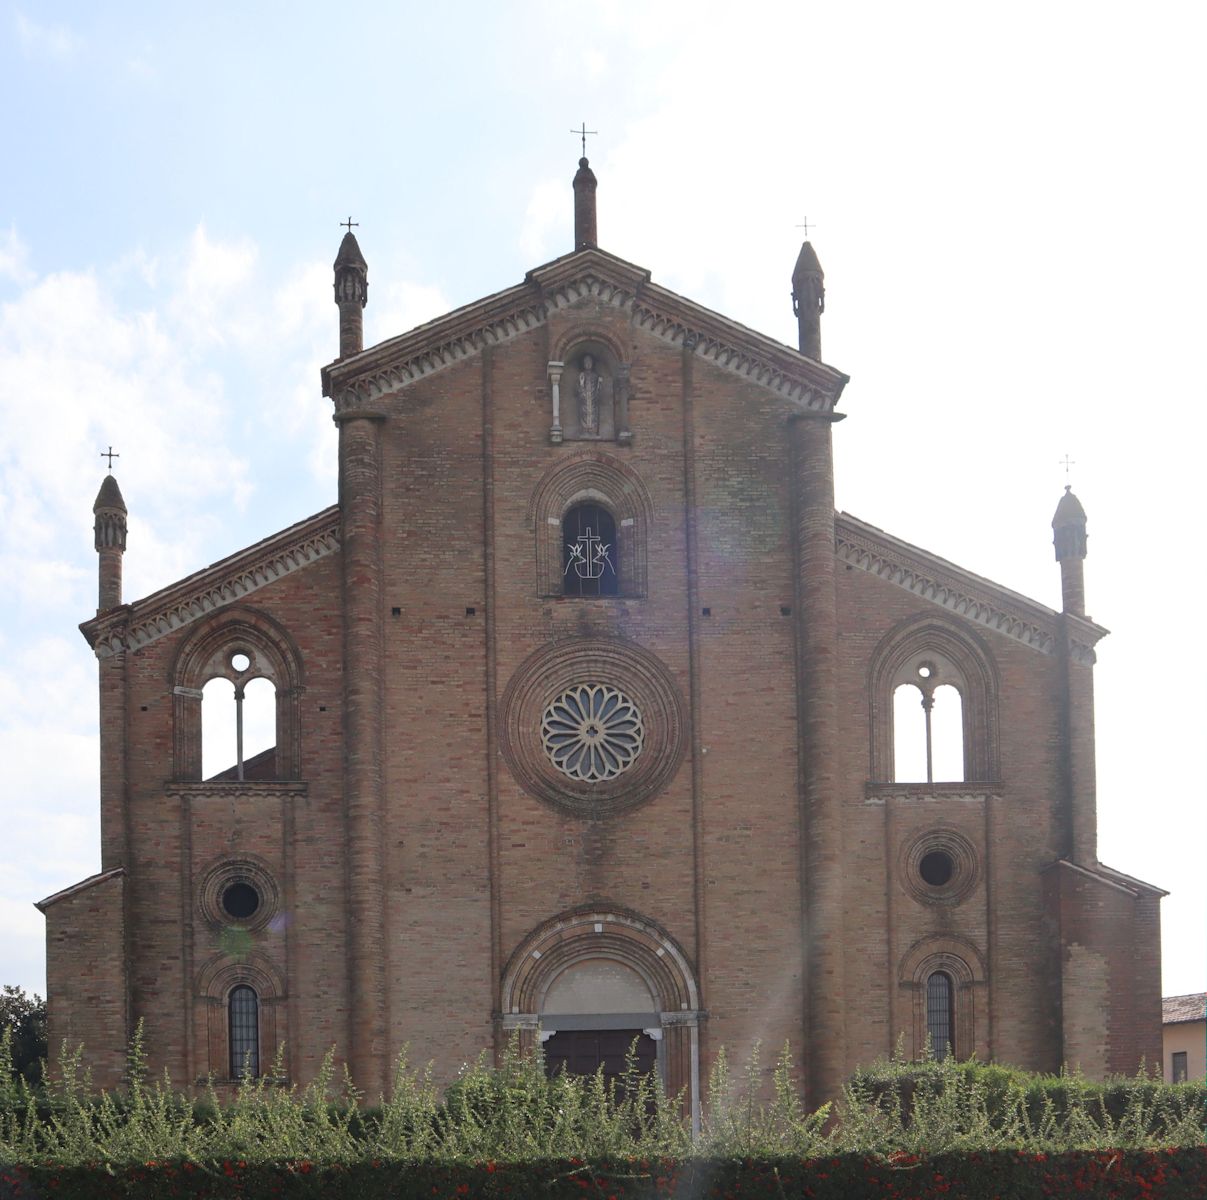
<point x="992" y="1175"/>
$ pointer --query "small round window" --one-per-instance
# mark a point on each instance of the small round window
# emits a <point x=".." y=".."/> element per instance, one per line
<point x="240" y="900"/>
<point x="239" y="892"/>
<point x="936" y="868"/>
<point x="939" y="867"/>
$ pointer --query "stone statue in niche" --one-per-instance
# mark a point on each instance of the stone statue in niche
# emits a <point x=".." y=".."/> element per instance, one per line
<point x="588" y="394"/>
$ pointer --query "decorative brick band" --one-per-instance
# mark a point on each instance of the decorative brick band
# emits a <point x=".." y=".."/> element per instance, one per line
<point x="949" y="593"/>
<point x="708" y="342"/>
<point x="179" y="606"/>
<point x="434" y="358"/>
<point x="730" y="357"/>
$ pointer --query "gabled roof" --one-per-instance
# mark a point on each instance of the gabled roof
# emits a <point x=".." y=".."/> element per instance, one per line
<point x="1177" y="1009"/>
<point x="1101" y="873"/>
<point x="76" y="888"/>
<point x="216" y="586"/>
<point x="361" y="379"/>
<point x="962" y="592"/>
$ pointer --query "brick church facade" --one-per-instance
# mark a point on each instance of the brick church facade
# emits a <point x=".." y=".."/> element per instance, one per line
<point x="589" y="725"/>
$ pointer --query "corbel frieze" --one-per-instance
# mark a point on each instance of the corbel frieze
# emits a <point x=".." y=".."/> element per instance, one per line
<point x="946" y="591"/>
<point x="711" y="343"/>
<point x="374" y="385"/>
<point x="158" y="621"/>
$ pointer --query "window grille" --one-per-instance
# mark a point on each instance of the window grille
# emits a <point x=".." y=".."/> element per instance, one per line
<point x="939" y="1014"/>
<point x="589" y="552"/>
<point x="244" y="1032"/>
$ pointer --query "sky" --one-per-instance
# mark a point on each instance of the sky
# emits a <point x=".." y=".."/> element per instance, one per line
<point x="1007" y="200"/>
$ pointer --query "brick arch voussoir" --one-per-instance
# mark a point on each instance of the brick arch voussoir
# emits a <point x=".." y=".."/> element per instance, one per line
<point x="594" y="473"/>
<point x="230" y="625"/>
<point x="916" y="635"/>
<point x="586" y="335"/>
<point x="624" y="937"/>
<point x="221" y="974"/>
<point x="957" y="956"/>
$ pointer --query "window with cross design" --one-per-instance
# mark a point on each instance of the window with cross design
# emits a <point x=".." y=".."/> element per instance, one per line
<point x="589" y="552"/>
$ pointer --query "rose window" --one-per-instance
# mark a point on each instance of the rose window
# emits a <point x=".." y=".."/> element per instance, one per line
<point x="592" y="732"/>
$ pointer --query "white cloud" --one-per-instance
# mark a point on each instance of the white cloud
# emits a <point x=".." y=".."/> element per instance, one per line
<point x="56" y="42"/>
<point x="14" y="258"/>
<point x="218" y="301"/>
<point x="205" y="379"/>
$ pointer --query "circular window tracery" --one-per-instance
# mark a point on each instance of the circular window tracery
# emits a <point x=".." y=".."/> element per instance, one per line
<point x="592" y="732"/>
<point x="602" y="695"/>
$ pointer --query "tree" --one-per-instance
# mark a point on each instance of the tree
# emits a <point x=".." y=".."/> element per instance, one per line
<point x="25" y="1016"/>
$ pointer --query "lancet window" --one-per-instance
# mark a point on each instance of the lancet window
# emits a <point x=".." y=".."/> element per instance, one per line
<point x="243" y="1010"/>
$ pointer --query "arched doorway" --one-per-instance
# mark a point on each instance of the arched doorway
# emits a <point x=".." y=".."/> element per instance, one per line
<point x="593" y="1013"/>
<point x="590" y="982"/>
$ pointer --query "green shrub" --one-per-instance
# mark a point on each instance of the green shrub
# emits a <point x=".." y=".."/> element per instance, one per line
<point x="514" y="1113"/>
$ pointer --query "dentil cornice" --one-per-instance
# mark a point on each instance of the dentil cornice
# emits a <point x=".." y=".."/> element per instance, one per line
<point x="224" y="583"/>
<point x="358" y="383"/>
<point x="869" y="549"/>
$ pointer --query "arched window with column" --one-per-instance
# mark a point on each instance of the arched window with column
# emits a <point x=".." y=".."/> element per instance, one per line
<point x="237" y="683"/>
<point x="934" y="702"/>
<point x="591" y="515"/>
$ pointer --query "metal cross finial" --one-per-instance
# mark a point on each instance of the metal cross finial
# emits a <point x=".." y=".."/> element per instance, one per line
<point x="806" y="226"/>
<point x="348" y="224"/>
<point x="1067" y="462"/>
<point x="110" y="454"/>
<point x="582" y="133"/>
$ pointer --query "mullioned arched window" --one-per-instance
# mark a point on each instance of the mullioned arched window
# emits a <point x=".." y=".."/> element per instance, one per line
<point x="934" y="702"/>
<point x="244" y="666"/>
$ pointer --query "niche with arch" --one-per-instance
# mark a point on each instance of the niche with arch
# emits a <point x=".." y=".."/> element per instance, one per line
<point x="237" y="683"/>
<point x="591" y="380"/>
